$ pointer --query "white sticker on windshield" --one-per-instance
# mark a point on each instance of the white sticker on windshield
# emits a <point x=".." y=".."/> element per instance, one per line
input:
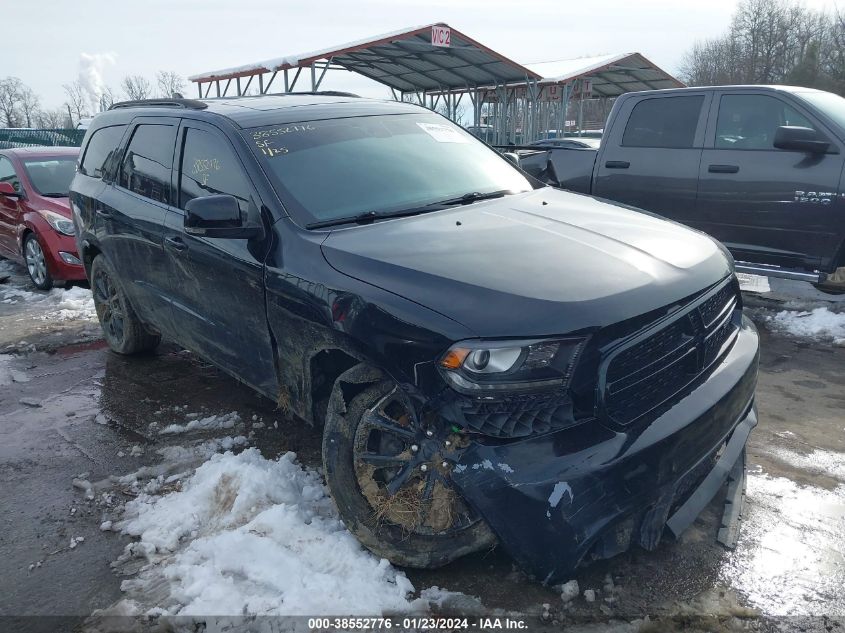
<point x="443" y="133"/>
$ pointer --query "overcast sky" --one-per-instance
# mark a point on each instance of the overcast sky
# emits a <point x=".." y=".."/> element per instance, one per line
<point x="93" y="39"/>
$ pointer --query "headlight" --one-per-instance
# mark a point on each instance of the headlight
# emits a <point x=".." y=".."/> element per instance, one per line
<point x="59" y="222"/>
<point x="477" y="366"/>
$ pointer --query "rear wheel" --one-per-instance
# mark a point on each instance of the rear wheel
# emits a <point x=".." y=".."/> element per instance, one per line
<point x="389" y="476"/>
<point x="36" y="264"/>
<point x="122" y="329"/>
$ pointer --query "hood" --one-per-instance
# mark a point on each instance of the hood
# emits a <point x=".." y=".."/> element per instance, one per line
<point x="57" y="205"/>
<point x="541" y="263"/>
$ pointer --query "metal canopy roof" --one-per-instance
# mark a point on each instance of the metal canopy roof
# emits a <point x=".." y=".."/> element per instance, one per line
<point x="609" y="75"/>
<point x="405" y="60"/>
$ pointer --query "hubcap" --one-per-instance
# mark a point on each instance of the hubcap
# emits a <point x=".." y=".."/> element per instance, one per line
<point x="35" y="263"/>
<point x="403" y="470"/>
<point x="109" y="306"/>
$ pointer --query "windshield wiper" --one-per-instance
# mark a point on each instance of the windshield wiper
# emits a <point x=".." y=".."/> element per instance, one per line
<point x="371" y="216"/>
<point x="367" y="218"/>
<point x="469" y="198"/>
<point x="54" y="194"/>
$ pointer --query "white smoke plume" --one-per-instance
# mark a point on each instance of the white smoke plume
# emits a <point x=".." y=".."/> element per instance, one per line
<point x="91" y="67"/>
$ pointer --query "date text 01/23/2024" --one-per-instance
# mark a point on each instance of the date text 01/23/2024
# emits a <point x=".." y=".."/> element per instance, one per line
<point x="420" y="623"/>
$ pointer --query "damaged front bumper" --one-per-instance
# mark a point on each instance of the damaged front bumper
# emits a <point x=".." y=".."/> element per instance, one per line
<point x="591" y="491"/>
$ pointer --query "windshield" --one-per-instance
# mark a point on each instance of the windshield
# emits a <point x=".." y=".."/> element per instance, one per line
<point x="51" y="176"/>
<point x="830" y="104"/>
<point x="378" y="164"/>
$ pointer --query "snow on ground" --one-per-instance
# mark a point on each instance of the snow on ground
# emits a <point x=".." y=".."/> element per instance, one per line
<point x="8" y="375"/>
<point x="243" y="535"/>
<point x="819" y="323"/>
<point x="211" y="422"/>
<point x="56" y="305"/>
<point x="818" y="461"/>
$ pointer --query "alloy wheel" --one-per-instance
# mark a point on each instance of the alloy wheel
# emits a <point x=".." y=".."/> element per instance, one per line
<point x="403" y="470"/>
<point x="35" y="263"/>
<point x="109" y="306"/>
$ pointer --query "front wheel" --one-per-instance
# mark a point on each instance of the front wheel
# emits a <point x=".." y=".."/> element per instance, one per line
<point x="36" y="263"/>
<point x="389" y="476"/>
<point x="122" y="329"/>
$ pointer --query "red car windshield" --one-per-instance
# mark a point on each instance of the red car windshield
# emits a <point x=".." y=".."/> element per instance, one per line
<point x="51" y="177"/>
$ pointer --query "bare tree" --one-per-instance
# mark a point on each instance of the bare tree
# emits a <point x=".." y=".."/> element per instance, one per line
<point x="136" y="87"/>
<point x="77" y="100"/>
<point x="10" y="101"/>
<point x="30" y="105"/>
<point x="51" y="119"/>
<point x="169" y="83"/>
<point x="458" y="110"/>
<point x="771" y="41"/>
<point x="107" y="99"/>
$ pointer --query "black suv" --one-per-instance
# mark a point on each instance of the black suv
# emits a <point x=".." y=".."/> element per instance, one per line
<point x="490" y="358"/>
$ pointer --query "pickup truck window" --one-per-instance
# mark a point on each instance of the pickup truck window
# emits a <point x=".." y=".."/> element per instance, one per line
<point x="750" y="121"/>
<point x="830" y="104"/>
<point x="329" y="169"/>
<point x="663" y="122"/>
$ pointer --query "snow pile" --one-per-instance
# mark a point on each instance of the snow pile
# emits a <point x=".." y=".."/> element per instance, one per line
<point x="247" y="536"/>
<point x="57" y="305"/>
<point x="211" y="422"/>
<point x="820" y="323"/>
<point x="74" y="303"/>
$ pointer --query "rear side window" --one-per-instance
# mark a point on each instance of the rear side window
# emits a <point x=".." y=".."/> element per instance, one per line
<point x="101" y="150"/>
<point x="209" y="167"/>
<point x="146" y="165"/>
<point x="666" y="122"/>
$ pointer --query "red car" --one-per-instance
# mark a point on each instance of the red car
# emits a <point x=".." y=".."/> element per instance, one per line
<point x="36" y="228"/>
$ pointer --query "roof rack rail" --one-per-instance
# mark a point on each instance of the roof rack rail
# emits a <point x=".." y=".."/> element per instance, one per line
<point x="327" y="93"/>
<point x="316" y="93"/>
<point x="188" y="104"/>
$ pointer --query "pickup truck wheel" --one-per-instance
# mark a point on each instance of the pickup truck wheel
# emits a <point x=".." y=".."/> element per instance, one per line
<point x="392" y="485"/>
<point x="834" y="284"/>
<point x="122" y="329"/>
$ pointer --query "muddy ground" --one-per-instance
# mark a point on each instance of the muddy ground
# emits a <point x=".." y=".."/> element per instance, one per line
<point x="78" y="409"/>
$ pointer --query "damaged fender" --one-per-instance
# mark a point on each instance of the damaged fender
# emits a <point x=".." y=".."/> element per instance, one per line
<point x="591" y="491"/>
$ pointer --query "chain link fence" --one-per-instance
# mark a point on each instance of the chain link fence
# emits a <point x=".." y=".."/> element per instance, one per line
<point x="16" y="137"/>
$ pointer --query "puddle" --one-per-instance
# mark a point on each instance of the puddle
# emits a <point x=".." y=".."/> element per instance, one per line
<point x="791" y="555"/>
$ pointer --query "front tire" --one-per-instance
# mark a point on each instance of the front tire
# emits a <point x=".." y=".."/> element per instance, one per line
<point x="36" y="263"/>
<point x="122" y="329"/>
<point x="410" y="514"/>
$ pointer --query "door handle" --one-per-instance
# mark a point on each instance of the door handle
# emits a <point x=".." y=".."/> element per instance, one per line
<point x="175" y="243"/>
<point x="723" y="169"/>
<point x="617" y="164"/>
<point x="103" y="213"/>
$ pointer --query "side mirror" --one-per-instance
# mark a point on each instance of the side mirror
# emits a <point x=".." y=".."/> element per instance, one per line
<point x="7" y="189"/>
<point x="217" y="216"/>
<point x="800" y="139"/>
<point x="512" y="157"/>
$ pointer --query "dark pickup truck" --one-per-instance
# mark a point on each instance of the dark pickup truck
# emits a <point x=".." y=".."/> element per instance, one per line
<point x="760" y="168"/>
